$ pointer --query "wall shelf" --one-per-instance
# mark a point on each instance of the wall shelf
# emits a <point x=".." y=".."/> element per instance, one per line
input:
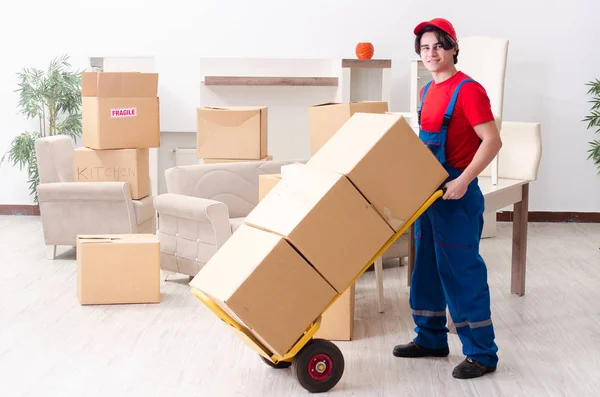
<point x="271" y="81"/>
<point x="370" y="63"/>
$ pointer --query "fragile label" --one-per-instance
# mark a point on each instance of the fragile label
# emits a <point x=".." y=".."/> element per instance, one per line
<point x="123" y="112"/>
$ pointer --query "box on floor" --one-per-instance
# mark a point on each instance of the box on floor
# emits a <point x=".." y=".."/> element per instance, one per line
<point x="232" y="132"/>
<point x="337" y="322"/>
<point x="120" y="110"/>
<point x="118" y="269"/>
<point x="121" y="165"/>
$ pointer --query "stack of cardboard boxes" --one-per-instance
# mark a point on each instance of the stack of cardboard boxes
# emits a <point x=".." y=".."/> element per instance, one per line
<point x="319" y="226"/>
<point x="120" y="121"/>
<point x="324" y="121"/>
<point x="232" y="134"/>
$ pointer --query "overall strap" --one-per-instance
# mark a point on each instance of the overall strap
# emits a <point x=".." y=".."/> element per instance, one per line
<point x="450" y="108"/>
<point x="423" y="100"/>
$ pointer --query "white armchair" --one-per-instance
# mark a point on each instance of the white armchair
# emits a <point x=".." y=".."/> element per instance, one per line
<point x="69" y="208"/>
<point x="204" y="205"/>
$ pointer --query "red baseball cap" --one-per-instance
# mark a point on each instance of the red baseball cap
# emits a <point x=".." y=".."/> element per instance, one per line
<point x="441" y="23"/>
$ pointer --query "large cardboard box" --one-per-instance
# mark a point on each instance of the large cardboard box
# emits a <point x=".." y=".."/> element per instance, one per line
<point x="114" y="269"/>
<point x="120" y="110"/>
<point x="325" y="119"/>
<point x="120" y="165"/>
<point x="216" y="161"/>
<point x="386" y="161"/>
<point x="326" y="219"/>
<point x="265" y="285"/>
<point x="232" y="132"/>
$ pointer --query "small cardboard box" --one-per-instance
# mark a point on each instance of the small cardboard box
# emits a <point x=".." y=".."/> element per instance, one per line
<point x="265" y="285"/>
<point x="386" y="161"/>
<point x="115" y="269"/>
<point x="233" y="132"/>
<point x="120" y="110"/>
<point x="123" y="165"/>
<point x="216" y="161"/>
<point x="326" y="219"/>
<point x="327" y="118"/>
<point x="266" y="183"/>
<point x="337" y="322"/>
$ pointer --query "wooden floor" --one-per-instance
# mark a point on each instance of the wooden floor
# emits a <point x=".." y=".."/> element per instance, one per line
<point x="549" y="340"/>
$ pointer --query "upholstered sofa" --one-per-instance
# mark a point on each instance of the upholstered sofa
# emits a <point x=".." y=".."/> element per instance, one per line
<point x="205" y="204"/>
<point x="69" y="208"/>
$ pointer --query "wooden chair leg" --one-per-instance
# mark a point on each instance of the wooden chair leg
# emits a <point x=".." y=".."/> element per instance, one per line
<point x="519" y="247"/>
<point x="379" y="278"/>
<point x="411" y="255"/>
<point x="450" y="322"/>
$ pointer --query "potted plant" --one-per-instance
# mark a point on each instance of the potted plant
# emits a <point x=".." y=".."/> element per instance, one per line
<point x="593" y="120"/>
<point x="53" y="97"/>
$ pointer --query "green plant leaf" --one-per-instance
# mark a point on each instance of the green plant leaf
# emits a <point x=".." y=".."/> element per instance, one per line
<point x="594" y="153"/>
<point x="593" y="121"/>
<point x="53" y="97"/>
<point x="71" y="126"/>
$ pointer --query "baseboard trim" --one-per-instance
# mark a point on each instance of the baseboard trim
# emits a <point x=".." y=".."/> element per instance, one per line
<point x="22" y="209"/>
<point x="505" y="216"/>
<point x="549" y="216"/>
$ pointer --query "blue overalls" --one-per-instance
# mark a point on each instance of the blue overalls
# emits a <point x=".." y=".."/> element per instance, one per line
<point x="448" y="268"/>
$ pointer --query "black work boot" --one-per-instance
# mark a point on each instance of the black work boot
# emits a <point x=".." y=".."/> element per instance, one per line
<point x="413" y="350"/>
<point x="469" y="369"/>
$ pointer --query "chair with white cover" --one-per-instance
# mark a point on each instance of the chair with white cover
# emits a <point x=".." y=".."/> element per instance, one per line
<point x="484" y="59"/>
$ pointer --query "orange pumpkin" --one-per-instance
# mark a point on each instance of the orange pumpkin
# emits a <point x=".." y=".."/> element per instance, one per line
<point x="364" y="51"/>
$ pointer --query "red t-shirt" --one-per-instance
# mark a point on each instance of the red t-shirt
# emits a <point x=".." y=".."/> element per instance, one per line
<point x="472" y="107"/>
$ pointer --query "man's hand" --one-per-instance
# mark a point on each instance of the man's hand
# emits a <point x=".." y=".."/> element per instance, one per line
<point x="455" y="189"/>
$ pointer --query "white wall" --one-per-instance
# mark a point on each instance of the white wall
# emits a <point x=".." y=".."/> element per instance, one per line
<point x="552" y="53"/>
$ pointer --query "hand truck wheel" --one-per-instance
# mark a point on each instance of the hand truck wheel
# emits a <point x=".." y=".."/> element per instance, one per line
<point x="319" y="366"/>
<point x="279" y="365"/>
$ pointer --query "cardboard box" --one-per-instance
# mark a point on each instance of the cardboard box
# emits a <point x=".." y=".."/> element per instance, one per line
<point x="122" y="165"/>
<point x="261" y="281"/>
<point x="266" y="183"/>
<point x="114" y="269"/>
<point x="326" y="219"/>
<point x="216" y="161"/>
<point x="120" y="110"/>
<point x="327" y="118"/>
<point x="233" y="132"/>
<point x="386" y="161"/>
<point x="337" y="322"/>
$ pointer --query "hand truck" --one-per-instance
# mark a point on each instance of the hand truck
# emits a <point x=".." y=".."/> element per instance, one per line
<point x="317" y="364"/>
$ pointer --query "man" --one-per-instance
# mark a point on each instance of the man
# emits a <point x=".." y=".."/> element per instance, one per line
<point x="456" y="123"/>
